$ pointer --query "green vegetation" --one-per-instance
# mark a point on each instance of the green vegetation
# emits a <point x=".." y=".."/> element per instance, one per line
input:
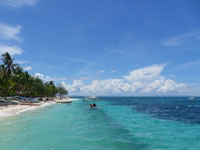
<point x="16" y="82"/>
<point x="61" y="91"/>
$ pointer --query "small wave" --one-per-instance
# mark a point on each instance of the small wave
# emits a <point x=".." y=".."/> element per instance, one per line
<point x="27" y="109"/>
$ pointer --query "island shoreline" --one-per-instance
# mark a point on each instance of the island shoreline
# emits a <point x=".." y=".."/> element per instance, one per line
<point x="11" y="110"/>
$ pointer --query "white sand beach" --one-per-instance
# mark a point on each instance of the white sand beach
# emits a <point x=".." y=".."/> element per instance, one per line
<point x="11" y="110"/>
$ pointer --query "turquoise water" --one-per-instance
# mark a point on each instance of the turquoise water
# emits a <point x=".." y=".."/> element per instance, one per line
<point x="117" y="124"/>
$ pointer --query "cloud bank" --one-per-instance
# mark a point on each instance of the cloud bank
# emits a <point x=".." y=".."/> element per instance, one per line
<point x="144" y="81"/>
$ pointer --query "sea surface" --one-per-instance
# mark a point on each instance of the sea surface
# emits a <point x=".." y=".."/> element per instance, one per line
<point x="118" y="123"/>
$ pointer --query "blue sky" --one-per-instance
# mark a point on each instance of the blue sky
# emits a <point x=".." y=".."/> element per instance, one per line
<point x="107" y="47"/>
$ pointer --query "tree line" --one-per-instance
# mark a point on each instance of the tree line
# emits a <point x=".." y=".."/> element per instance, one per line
<point x="14" y="81"/>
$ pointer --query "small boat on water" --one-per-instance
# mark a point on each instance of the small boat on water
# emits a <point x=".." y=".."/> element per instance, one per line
<point x="64" y="101"/>
<point x="191" y="98"/>
<point x="91" y="98"/>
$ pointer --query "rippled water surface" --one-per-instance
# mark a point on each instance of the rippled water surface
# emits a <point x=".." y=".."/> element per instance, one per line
<point x="118" y="123"/>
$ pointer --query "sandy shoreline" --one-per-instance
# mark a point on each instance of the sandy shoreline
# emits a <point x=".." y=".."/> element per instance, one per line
<point x="11" y="110"/>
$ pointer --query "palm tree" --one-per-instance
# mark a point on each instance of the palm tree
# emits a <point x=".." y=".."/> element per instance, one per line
<point x="7" y="69"/>
<point x="5" y="87"/>
<point x="8" y="66"/>
<point x="14" y="81"/>
<point x="2" y="68"/>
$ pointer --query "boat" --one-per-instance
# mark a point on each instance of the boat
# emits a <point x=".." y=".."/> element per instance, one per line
<point x="91" y="98"/>
<point x="64" y="101"/>
<point x="191" y="98"/>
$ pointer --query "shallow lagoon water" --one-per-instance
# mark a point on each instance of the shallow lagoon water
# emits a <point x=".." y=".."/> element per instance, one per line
<point x="118" y="123"/>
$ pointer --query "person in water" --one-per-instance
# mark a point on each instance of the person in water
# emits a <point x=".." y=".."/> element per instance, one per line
<point x="93" y="105"/>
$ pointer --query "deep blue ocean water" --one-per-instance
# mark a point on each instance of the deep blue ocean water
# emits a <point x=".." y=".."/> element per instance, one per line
<point x="119" y="123"/>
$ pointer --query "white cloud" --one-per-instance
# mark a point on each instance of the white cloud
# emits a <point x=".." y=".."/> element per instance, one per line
<point x="164" y="86"/>
<point x="47" y="78"/>
<point x="145" y="74"/>
<point x="18" y="3"/>
<point x="182" y="38"/>
<point x="8" y="32"/>
<point x="74" y="87"/>
<point x="101" y="71"/>
<point x="170" y="86"/>
<point x="27" y="68"/>
<point x="111" y="86"/>
<point x="121" y="87"/>
<point x="144" y="81"/>
<point x="12" y="50"/>
<point x="42" y="77"/>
